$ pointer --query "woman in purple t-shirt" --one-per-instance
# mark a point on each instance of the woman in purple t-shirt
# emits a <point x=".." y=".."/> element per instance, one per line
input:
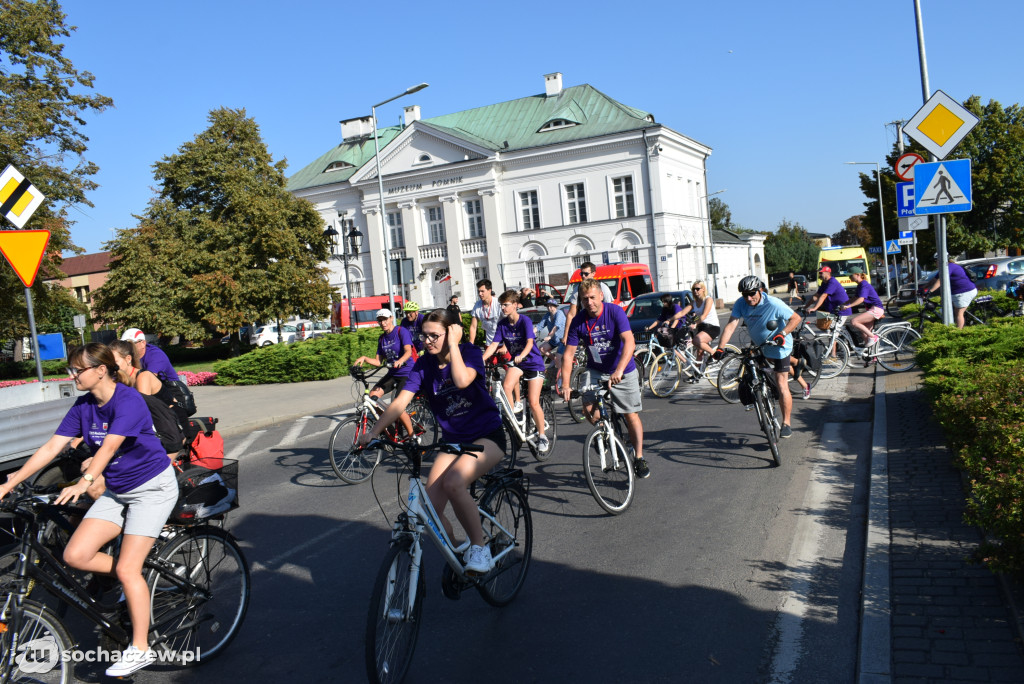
<point x="962" y="290"/>
<point x="451" y="376"/>
<point x="117" y="427"/>
<point x="517" y="334"/>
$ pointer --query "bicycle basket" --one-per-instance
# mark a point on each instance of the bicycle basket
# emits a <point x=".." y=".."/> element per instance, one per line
<point x="357" y="373"/>
<point x="665" y="337"/>
<point x="204" y="493"/>
<point x="824" y="321"/>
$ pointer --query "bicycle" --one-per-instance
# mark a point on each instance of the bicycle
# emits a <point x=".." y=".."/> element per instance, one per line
<point x="579" y="362"/>
<point x="648" y="348"/>
<point x="758" y="388"/>
<point x="608" y="463"/>
<point x="521" y="426"/>
<point x="396" y="604"/>
<point x="668" y="370"/>
<point x="356" y="466"/>
<point x="189" y="570"/>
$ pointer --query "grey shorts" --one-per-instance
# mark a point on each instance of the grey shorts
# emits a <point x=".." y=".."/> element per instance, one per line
<point x="964" y="299"/>
<point x="149" y="505"/>
<point x="626" y="396"/>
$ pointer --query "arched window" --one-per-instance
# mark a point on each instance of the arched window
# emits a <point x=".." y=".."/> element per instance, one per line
<point x="424" y="159"/>
<point x="556" y="124"/>
<point x="337" y="166"/>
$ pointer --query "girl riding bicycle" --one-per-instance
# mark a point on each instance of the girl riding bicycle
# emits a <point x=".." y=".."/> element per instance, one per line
<point x="451" y="375"/>
<point x="116" y="425"/>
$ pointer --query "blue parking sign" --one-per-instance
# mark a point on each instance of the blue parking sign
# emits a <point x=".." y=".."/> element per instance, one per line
<point x="905" y="200"/>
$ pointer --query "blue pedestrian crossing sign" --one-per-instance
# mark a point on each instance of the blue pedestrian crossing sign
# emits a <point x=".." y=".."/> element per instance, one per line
<point x="892" y="247"/>
<point x="942" y="187"/>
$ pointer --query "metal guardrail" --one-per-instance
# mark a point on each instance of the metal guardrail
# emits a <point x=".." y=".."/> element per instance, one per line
<point x="27" y="428"/>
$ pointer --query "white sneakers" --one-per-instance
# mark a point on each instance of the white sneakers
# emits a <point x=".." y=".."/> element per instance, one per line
<point x="478" y="559"/>
<point x="132" y="660"/>
<point x="518" y="408"/>
<point x="543" y="444"/>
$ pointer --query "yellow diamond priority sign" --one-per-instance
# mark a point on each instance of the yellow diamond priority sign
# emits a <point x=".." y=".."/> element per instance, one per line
<point x="940" y="124"/>
<point x="18" y="197"/>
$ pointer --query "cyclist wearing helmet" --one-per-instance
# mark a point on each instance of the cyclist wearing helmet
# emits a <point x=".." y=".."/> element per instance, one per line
<point x="757" y="309"/>
<point x="412" y="322"/>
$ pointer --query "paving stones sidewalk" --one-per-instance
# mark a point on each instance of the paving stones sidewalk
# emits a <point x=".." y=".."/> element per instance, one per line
<point x="951" y="620"/>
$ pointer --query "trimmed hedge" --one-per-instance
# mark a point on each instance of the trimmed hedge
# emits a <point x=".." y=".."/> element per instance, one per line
<point x="975" y="379"/>
<point x="320" y="358"/>
<point x="11" y="370"/>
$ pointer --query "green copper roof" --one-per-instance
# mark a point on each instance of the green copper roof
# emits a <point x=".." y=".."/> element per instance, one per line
<point x="515" y="123"/>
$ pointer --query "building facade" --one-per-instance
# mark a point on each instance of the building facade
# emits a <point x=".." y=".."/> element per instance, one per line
<point x="519" y="192"/>
<point x="84" y="274"/>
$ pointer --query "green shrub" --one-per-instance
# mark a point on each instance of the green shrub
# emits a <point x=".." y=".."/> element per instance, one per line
<point x="17" y="370"/>
<point x="975" y="378"/>
<point x="178" y="354"/>
<point x="320" y="358"/>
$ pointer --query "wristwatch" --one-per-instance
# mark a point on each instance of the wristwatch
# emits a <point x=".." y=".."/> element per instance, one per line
<point x="88" y="478"/>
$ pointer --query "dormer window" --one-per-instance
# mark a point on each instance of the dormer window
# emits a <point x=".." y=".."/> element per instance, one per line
<point x="555" y="124"/>
<point x="337" y="166"/>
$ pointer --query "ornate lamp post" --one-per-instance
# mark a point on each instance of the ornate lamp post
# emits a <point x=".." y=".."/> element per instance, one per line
<point x="352" y="242"/>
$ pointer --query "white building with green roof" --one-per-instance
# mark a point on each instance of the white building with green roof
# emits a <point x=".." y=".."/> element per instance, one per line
<point x="519" y="192"/>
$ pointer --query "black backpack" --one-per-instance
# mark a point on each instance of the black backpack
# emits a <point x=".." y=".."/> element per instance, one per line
<point x="165" y="424"/>
<point x="179" y="394"/>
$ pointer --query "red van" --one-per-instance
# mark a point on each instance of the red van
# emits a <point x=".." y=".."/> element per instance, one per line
<point x="365" y="310"/>
<point x="626" y="281"/>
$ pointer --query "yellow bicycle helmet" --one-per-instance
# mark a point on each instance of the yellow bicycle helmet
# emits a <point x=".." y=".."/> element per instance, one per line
<point x="411" y="306"/>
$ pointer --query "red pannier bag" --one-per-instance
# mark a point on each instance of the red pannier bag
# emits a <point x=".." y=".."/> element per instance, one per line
<point x="205" y="445"/>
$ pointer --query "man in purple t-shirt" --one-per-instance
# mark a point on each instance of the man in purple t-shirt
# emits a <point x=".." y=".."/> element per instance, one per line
<point x="394" y="349"/>
<point x="151" y="357"/>
<point x="962" y="290"/>
<point x="604" y="329"/>
<point x="834" y="297"/>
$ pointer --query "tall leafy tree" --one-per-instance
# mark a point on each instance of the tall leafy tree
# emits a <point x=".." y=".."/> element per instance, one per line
<point x="221" y="244"/>
<point x="790" y="248"/>
<point x="721" y="216"/>
<point x="853" y="233"/>
<point x="44" y="100"/>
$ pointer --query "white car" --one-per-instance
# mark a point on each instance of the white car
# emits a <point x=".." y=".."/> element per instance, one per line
<point x="308" y="329"/>
<point x="267" y="334"/>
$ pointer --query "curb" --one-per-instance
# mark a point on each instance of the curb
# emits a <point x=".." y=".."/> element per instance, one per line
<point x="268" y="421"/>
<point x="874" y="657"/>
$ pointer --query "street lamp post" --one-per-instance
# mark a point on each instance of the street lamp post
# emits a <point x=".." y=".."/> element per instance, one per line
<point x="380" y="187"/>
<point x="881" y="219"/>
<point x="711" y="237"/>
<point x="354" y="241"/>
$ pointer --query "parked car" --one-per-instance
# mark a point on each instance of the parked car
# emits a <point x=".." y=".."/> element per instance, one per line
<point x="801" y="284"/>
<point x="536" y="313"/>
<point x="646" y="308"/>
<point x="995" y="272"/>
<point x="267" y="335"/>
<point x="308" y="329"/>
<point x="243" y="335"/>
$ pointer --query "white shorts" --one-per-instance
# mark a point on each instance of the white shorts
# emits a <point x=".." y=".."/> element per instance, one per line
<point x="148" y="505"/>
<point x="964" y="299"/>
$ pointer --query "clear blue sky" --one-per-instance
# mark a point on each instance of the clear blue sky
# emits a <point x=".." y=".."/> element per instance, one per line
<point x="783" y="92"/>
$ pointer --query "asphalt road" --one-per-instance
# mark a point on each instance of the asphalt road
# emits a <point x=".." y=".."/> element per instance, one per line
<point x="724" y="569"/>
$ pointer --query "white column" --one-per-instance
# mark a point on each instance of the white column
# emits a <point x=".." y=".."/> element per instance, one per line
<point x="378" y="280"/>
<point x="492" y="231"/>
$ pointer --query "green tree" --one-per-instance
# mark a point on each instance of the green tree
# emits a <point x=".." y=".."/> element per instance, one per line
<point x="43" y="103"/>
<point x="721" y="216"/>
<point x="789" y="248"/>
<point x="853" y="233"/>
<point x="221" y="244"/>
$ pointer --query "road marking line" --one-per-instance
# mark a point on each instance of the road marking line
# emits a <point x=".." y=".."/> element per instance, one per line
<point x="804" y="560"/>
<point x="293" y="433"/>
<point x="243" y="445"/>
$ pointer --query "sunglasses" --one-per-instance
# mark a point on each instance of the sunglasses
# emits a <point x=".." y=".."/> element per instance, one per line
<point x="75" y="372"/>
<point x="697" y="289"/>
<point x="586" y="274"/>
<point x="750" y="293"/>
<point x="430" y="337"/>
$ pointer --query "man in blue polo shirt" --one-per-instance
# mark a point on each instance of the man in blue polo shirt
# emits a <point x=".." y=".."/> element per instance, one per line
<point x="757" y="308"/>
<point x="150" y="356"/>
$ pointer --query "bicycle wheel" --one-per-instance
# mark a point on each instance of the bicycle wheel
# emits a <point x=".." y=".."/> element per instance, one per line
<point x="766" y="417"/>
<point x="511" y="533"/>
<point x="392" y="624"/>
<point x="831" y="366"/>
<point x="42" y="640"/>
<point x="893" y="306"/>
<point x="550" y="427"/>
<point x="423" y="419"/>
<point x="895" y="350"/>
<point x="664" y="374"/>
<point x="641" y="367"/>
<point x="576" y="404"/>
<point x="352" y="465"/>
<point x="729" y="375"/>
<point x="200" y="594"/>
<point x="610" y="476"/>
<point x="712" y="370"/>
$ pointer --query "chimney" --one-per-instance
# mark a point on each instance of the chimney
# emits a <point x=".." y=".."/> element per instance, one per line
<point x="412" y="113"/>
<point x="360" y="127"/>
<point x="553" y="84"/>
